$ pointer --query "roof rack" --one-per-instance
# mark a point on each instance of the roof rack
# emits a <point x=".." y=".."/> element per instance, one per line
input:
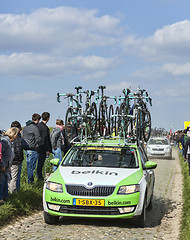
<point x="101" y="141"/>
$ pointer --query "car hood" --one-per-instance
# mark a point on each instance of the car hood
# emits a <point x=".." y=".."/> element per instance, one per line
<point x="95" y="175"/>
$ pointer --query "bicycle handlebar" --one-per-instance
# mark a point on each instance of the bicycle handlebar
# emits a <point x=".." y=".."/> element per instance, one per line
<point x="102" y="90"/>
<point x="126" y="91"/>
<point x="110" y="97"/>
<point x="67" y="95"/>
<point x="102" y="87"/>
<point x="58" y="98"/>
<point x="78" y="88"/>
<point x="150" y="101"/>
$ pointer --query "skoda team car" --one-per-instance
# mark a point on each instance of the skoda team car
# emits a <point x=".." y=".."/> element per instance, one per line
<point x="159" y="147"/>
<point x="106" y="180"/>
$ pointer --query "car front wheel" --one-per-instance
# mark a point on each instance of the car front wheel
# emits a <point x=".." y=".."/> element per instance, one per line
<point x="141" y="221"/>
<point x="149" y="207"/>
<point x="49" y="219"/>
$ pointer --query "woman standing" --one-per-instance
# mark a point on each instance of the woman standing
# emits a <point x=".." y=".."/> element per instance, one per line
<point x="57" y="140"/>
<point x="7" y="158"/>
<point x="18" y="144"/>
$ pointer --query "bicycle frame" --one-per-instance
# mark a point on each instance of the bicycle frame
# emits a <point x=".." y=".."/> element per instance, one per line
<point x="103" y="111"/>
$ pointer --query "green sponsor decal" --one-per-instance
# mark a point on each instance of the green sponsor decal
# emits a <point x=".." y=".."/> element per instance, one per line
<point x="55" y="199"/>
<point x="118" y="203"/>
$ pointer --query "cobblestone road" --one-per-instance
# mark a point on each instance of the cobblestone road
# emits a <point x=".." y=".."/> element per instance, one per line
<point x="163" y="219"/>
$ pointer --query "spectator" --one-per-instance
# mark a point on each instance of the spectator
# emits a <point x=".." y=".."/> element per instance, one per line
<point x="45" y="146"/>
<point x="32" y="136"/>
<point x="185" y="138"/>
<point x="57" y="140"/>
<point x="18" y="144"/>
<point x="66" y="146"/>
<point x="178" y="136"/>
<point x="181" y="142"/>
<point x="187" y="151"/>
<point x="7" y="158"/>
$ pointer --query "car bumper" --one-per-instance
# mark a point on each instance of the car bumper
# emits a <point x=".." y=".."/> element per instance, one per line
<point x="159" y="154"/>
<point x="123" y="207"/>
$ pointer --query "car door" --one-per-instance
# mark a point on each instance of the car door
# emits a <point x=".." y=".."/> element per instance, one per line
<point x="148" y="173"/>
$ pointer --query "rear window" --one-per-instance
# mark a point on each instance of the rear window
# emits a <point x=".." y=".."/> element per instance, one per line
<point x="101" y="157"/>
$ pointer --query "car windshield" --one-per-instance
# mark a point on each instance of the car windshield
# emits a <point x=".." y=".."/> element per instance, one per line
<point x="158" y="142"/>
<point x="101" y="157"/>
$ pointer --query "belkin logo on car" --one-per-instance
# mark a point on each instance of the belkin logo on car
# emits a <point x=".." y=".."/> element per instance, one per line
<point x="95" y="172"/>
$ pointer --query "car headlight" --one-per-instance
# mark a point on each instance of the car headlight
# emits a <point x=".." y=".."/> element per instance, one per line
<point x="55" y="187"/>
<point x="129" y="189"/>
<point x="148" y="149"/>
<point x="168" y="148"/>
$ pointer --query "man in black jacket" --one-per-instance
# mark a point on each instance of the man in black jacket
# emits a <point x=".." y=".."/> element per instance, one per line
<point x="32" y="136"/>
<point x="45" y="145"/>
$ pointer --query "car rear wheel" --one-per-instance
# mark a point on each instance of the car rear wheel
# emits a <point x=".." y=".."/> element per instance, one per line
<point x="49" y="219"/>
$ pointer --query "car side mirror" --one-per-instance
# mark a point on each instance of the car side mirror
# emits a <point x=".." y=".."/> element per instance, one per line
<point x="55" y="162"/>
<point x="150" y="165"/>
<point x="172" y="144"/>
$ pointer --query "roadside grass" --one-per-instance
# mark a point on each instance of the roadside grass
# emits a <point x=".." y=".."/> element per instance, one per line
<point x="27" y="200"/>
<point x="185" y="222"/>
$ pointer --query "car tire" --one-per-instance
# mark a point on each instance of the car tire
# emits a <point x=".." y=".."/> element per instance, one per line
<point x="141" y="221"/>
<point x="149" y="207"/>
<point x="49" y="219"/>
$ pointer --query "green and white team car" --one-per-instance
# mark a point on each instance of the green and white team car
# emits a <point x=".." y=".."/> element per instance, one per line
<point x="103" y="179"/>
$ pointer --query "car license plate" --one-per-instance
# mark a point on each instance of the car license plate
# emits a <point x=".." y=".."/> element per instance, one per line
<point x="88" y="202"/>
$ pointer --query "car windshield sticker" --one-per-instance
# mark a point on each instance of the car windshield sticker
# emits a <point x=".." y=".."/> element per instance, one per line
<point x="102" y="149"/>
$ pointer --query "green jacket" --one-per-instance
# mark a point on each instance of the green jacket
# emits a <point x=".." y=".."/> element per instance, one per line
<point x="185" y="139"/>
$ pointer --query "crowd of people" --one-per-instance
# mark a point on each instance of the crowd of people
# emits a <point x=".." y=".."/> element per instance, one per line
<point x="37" y="142"/>
<point x="181" y="139"/>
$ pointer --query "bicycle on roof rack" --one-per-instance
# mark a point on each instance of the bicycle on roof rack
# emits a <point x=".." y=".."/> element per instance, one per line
<point x="105" y="123"/>
<point x="146" y="121"/>
<point x="88" y="119"/>
<point x="91" y="111"/>
<point x="124" y="108"/>
<point x="73" y="112"/>
<point x="141" y="125"/>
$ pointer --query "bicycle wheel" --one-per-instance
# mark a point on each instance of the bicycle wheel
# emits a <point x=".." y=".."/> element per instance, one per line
<point x="93" y="120"/>
<point x="70" y="126"/>
<point x="123" y="109"/>
<point x="117" y="121"/>
<point x="139" y="127"/>
<point x="102" y="119"/>
<point x="111" y="130"/>
<point x="146" y="125"/>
